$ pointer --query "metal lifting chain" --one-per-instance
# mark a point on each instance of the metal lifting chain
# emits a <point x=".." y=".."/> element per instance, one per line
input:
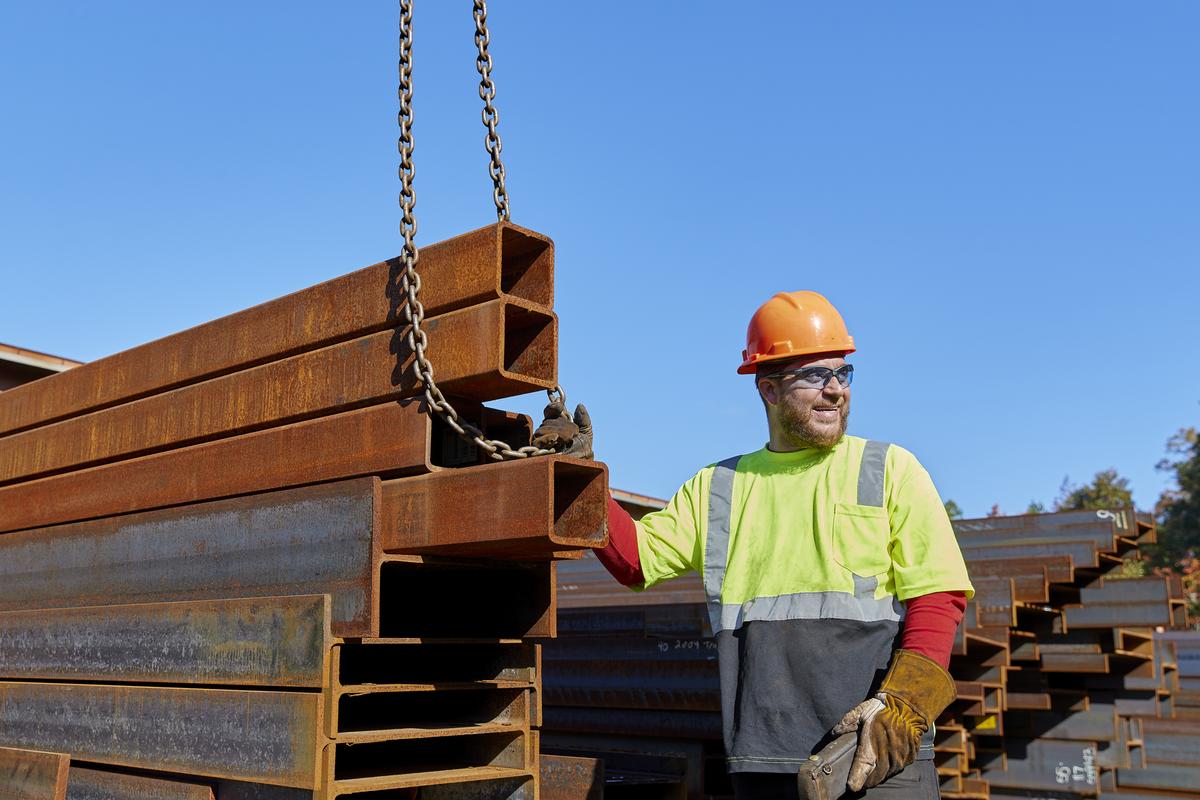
<point x="491" y="117"/>
<point x="410" y="281"/>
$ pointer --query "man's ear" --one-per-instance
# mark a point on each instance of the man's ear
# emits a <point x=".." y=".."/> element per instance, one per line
<point x="768" y="391"/>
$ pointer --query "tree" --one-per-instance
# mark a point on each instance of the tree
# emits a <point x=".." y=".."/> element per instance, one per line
<point x="1035" y="507"/>
<point x="952" y="510"/>
<point x="1107" y="490"/>
<point x="1178" y="509"/>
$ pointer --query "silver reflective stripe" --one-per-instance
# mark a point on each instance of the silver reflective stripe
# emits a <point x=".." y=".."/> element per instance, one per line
<point x="870" y="474"/>
<point x="862" y="607"/>
<point x="716" y="543"/>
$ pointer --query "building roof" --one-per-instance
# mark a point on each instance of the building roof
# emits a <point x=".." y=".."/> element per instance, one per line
<point x="32" y="358"/>
<point x="638" y="505"/>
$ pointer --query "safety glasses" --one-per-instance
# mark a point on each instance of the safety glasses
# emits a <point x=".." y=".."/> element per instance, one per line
<point x="817" y="377"/>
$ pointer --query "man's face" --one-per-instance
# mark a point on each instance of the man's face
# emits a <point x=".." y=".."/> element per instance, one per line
<point x="808" y="417"/>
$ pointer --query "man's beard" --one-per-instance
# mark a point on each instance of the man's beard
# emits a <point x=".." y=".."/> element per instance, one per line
<point x="802" y="432"/>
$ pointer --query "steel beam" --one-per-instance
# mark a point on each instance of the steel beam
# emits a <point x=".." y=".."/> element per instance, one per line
<point x="95" y="784"/>
<point x="569" y="778"/>
<point x="264" y="737"/>
<point x="270" y="641"/>
<point x="518" y="509"/>
<point x="483" y="265"/>
<point x="314" y="540"/>
<point x="484" y="352"/>
<point x="387" y="438"/>
<point x="33" y="774"/>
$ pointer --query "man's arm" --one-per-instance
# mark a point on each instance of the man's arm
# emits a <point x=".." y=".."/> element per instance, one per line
<point x="621" y="558"/>
<point x="662" y="545"/>
<point x="930" y="623"/>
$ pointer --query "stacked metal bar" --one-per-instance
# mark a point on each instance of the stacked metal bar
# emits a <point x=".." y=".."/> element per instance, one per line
<point x="1082" y="673"/>
<point x="242" y="563"/>
<point x="1063" y="689"/>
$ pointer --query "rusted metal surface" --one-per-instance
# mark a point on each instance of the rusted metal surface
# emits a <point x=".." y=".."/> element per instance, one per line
<point x="410" y="763"/>
<point x="1083" y="553"/>
<point x="635" y="722"/>
<point x="314" y="540"/>
<point x="1057" y="569"/>
<point x="519" y="788"/>
<point x="1125" y="520"/>
<point x="273" y="641"/>
<point x="240" y="790"/>
<point x="570" y="778"/>
<point x="487" y="352"/>
<point x="32" y="774"/>
<point x="385" y="438"/>
<point x="476" y="267"/>
<point x="376" y="714"/>
<point x="95" y="784"/>
<point x="427" y="597"/>
<point x="518" y="509"/>
<point x="259" y="736"/>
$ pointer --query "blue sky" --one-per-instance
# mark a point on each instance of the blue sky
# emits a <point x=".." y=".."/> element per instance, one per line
<point x="1002" y="199"/>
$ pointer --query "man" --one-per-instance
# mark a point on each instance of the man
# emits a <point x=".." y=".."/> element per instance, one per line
<point x="833" y="577"/>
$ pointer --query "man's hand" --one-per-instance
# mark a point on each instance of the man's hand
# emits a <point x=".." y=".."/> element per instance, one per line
<point x="566" y="436"/>
<point x="891" y="724"/>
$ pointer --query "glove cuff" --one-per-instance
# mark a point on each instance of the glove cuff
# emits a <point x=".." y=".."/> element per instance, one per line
<point x="921" y="683"/>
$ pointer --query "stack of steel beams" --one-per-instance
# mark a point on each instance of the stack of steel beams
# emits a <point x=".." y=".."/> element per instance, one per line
<point x="1082" y="670"/>
<point x="242" y="562"/>
<point x="1063" y="689"/>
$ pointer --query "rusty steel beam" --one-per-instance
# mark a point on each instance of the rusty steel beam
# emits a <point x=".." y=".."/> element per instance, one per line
<point x="270" y="641"/>
<point x="97" y="784"/>
<point x="1125" y="519"/>
<point x="1057" y="569"/>
<point x="570" y="778"/>
<point x="413" y="763"/>
<point x="1083" y="553"/>
<point x="33" y="774"/>
<point x="519" y="509"/>
<point x="483" y="265"/>
<point x="519" y="788"/>
<point x="314" y="540"/>
<point x="260" y="736"/>
<point x="239" y="790"/>
<point x="485" y="352"/>
<point x="386" y="438"/>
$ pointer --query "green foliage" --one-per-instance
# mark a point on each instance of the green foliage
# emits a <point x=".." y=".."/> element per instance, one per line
<point x="1107" y="490"/>
<point x="952" y="510"/>
<point x="1130" y="568"/>
<point x="1035" y="507"/>
<point x="1178" y="509"/>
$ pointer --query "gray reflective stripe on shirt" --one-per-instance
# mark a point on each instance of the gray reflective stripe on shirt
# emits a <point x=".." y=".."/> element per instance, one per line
<point x="870" y="473"/>
<point x="862" y="605"/>
<point x="716" y="545"/>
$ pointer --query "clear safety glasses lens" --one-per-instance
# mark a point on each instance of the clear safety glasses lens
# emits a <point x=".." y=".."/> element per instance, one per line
<point x="819" y="377"/>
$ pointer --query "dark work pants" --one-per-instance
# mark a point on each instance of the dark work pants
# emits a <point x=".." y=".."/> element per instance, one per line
<point x="917" y="781"/>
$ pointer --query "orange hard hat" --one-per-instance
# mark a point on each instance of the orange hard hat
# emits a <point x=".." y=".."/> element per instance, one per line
<point x="793" y="324"/>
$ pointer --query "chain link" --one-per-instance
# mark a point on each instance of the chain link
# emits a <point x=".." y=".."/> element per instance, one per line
<point x="491" y="117"/>
<point x="410" y="281"/>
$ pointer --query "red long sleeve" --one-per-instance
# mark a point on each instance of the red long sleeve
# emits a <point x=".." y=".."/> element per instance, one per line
<point x="930" y="623"/>
<point x="621" y="555"/>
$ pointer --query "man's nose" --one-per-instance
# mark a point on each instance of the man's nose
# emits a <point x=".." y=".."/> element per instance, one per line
<point x="834" y="389"/>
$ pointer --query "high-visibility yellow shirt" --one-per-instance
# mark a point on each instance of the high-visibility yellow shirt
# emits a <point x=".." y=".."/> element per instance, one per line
<point x="807" y="558"/>
<point x="796" y="526"/>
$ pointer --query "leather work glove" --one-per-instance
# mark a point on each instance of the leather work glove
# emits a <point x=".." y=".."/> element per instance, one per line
<point x="566" y="436"/>
<point x="890" y="724"/>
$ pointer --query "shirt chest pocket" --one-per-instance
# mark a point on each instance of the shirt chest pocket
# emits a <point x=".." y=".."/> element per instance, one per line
<point x="861" y="535"/>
